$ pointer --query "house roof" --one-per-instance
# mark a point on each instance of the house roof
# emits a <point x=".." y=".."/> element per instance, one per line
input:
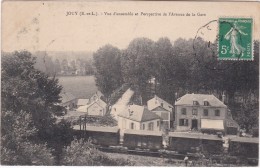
<point x="82" y="102"/>
<point x="193" y="135"/>
<point x="66" y="97"/>
<point x="231" y="123"/>
<point x="100" y="102"/>
<point x="97" y="95"/>
<point x="138" y="113"/>
<point x="158" y="102"/>
<point x="200" y="98"/>
<point x="143" y="132"/>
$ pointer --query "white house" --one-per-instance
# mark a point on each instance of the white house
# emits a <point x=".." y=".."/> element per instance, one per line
<point x="200" y="112"/>
<point x="162" y="109"/>
<point x="138" y="118"/>
<point x="95" y="108"/>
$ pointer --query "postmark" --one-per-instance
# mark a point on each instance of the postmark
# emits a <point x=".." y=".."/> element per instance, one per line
<point x="235" y="40"/>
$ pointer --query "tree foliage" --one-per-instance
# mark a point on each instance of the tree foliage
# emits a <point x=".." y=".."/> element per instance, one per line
<point x="29" y="102"/>
<point x="16" y="147"/>
<point x="187" y="66"/>
<point x="108" y="69"/>
<point x="25" y="88"/>
<point x="83" y="153"/>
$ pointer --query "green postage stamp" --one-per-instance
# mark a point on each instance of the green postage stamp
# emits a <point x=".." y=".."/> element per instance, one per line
<point x="235" y="39"/>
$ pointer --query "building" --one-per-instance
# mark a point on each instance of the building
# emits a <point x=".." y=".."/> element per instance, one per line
<point x="137" y="117"/>
<point x="68" y="100"/>
<point x="200" y="112"/>
<point x="97" y="95"/>
<point x="94" y="108"/>
<point x="82" y="102"/>
<point x="162" y="109"/>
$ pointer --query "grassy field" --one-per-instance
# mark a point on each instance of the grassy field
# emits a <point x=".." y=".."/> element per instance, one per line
<point x="79" y="86"/>
<point x="146" y="160"/>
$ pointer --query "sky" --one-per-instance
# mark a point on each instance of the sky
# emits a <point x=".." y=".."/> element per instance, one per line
<point x="39" y="25"/>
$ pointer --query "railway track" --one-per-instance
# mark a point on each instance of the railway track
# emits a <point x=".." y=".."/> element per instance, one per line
<point x="164" y="154"/>
<point x="161" y="154"/>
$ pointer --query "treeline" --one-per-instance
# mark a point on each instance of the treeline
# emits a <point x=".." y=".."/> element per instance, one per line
<point x="30" y="134"/>
<point x="171" y="70"/>
<point x="62" y="65"/>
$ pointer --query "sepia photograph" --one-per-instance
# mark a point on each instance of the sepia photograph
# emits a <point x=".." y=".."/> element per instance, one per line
<point x="130" y="83"/>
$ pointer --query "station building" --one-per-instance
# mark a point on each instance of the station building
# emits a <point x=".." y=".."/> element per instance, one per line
<point x="201" y="112"/>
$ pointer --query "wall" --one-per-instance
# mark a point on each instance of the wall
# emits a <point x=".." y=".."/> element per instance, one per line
<point x="189" y="116"/>
<point x="165" y="120"/>
<point x="95" y="109"/>
<point x="155" y="127"/>
<point x="124" y="123"/>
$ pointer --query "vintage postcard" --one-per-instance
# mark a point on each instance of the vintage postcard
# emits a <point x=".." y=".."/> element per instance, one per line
<point x="130" y="83"/>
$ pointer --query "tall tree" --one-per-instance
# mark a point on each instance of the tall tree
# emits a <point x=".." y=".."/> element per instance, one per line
<point x="28" y="89"/>
<point x="108" y="69"/>
<point x="138" y="63"/>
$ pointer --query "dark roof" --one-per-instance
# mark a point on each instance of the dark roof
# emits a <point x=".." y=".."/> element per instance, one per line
<point x="67" y="97"/>
<point x="138" y="113"/>
<point x="200" y="98"/>
<point x="245" y="139"/>
<point x="193" y="135"/>
<point x="82" y="102"/>
<point x="231" y="123"/>
<point x="97" y="129"/>
<point x="143" y="132"/>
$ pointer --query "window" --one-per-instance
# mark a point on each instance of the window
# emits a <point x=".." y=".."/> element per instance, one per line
<point x="132" y="126"/>
<point x="217" y="113"/>
<point x="205" y="112"/>
<point x="150" y="126"/>
<point x="194" y="111"/>
<point x="195" y="103"/>
<point x="143" y="127"/>
<point x="183" y="111"/>
<point x="206" y="103"/>
<point x="184" y="122"/>
<point x="158" y="123"/>
<point x="162" y="104"/>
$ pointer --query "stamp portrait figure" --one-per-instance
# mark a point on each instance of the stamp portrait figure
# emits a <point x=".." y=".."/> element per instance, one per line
<point x="233" y="36"/>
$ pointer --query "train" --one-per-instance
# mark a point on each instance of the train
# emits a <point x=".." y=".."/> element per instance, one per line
<point x="179" y="142"/>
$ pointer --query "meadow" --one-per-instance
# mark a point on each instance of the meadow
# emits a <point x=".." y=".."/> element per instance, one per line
<point x="79" y="86"/>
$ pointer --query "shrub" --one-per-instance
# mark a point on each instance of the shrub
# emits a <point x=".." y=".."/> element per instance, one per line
<point x="83" y="153"/>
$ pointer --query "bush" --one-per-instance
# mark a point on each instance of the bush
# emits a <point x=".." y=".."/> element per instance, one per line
<point x="84" y="153"/>
<point x="106" y="120"/>
<point x="16" y="146"/>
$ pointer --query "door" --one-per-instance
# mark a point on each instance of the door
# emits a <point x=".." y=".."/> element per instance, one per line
<point x="194" y="124"/>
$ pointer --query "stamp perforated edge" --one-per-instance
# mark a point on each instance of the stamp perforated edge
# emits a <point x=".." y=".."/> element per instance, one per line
<point x="252" y="35"/>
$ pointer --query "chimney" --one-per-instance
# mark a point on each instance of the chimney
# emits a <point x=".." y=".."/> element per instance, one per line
<point x="130" y="112"/>
<point x="223" y="97"/>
